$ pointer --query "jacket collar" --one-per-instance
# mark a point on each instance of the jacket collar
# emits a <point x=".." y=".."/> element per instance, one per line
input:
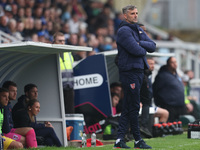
<point x="132" y="26"/>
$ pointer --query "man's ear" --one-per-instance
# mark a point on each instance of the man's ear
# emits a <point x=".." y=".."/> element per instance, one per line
<point x="125" y="16"/>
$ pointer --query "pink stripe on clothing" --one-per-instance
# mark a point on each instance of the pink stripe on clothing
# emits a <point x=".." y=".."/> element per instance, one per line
<point x="13" y="135"/>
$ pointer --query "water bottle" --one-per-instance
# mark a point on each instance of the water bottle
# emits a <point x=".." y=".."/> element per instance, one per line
<point x="157" y="130"/>
<point x="166" y="129"/>
<point x="84" y="140"/>
<point x="175" y="124"/>
<point x="173" y="127"/>
<point x="180" y="127"/>
<point x="93" y="140"/>
<point x="180" y="124"/>
<point x="189" y="130"/>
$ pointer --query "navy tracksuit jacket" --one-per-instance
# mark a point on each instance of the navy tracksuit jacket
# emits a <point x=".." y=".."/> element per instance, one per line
<point x="132" y="44"/>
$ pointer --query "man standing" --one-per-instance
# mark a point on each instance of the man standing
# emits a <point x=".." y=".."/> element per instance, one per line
<point x="66" y="66"/>
<point x="132" y="44"/>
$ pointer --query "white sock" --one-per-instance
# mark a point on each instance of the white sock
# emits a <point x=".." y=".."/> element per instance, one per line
<point x="117" y="141"/>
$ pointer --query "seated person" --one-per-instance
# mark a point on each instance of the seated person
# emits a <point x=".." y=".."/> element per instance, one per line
<point x="4" y="124"/>
<point x="168" y="90"/>
<point x="30" y="92"/>
<point x="162" y="114"/>
<point x="146" y="94"/>
<point x="192" y="107"/>
<point x="27" y="118"/>
<point x="116" y="87"/>
<point x="24" y="135"/>
<point x="115" y="101"/>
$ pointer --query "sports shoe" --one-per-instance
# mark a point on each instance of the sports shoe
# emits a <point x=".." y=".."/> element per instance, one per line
<point x="142" y="145"/>
<point x="145" y="132"/>
<point x="121" y="144"/>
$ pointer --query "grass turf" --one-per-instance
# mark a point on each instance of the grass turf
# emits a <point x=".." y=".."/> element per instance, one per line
<point x="175" y="142"/>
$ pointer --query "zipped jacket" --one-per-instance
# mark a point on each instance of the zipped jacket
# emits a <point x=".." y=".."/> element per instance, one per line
<point x="132" y="45"/>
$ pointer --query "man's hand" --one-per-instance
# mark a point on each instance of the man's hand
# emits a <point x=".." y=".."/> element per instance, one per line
<point x="189" y="107"/>
<point x="48" y="124"/>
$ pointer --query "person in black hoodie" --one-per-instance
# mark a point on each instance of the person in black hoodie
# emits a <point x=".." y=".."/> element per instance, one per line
<point x="168" y="90"/>
<point x="132" y="45"/>
<point x="31" y="92"/>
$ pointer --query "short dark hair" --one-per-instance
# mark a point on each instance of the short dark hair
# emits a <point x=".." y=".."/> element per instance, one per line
<point x="57" y="34"/>
<point x="149" y="57"/>
<point x="140" y="24"/>
<point x="3" y="90"/>
<point x="129" y="7"/>
<point x="7" y="84"/>
<point x="115" y="84"/>
<point x="168" y="60"/>
<point x="28" y="87"/>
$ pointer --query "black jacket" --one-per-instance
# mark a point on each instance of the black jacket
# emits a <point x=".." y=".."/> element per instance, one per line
<point x="146" y="91"/>
<point x="20" y="105"/>
<point x="22" y="119"/>
<point x="168" y="89"/>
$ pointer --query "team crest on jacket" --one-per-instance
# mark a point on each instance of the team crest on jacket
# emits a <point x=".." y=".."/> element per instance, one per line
<point x="15" y="137"/>
<point x="132" y="85"/>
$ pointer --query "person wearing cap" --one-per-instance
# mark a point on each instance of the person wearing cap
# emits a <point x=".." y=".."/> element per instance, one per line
<point x="41" y="37"/>
<point x="8" y="11"/>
